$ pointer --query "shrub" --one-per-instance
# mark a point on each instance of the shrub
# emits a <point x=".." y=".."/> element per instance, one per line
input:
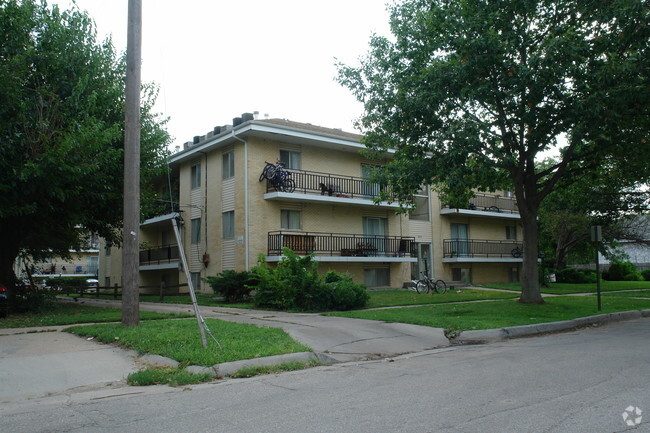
<point x="232" y="285"/>
<point x="646" y="274"/>
<point x="633" y="276"/>
<point x="575" y="276"/>
<point x="294" y="284"/>
<point x="345" y="293"/>
<point x="24" y="299"/>
<point x="619" y="270"/>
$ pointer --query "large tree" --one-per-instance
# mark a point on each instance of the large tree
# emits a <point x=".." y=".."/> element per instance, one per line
<point x="613" y="199"/>
<point x="469" y="93"/>
<point x="61" y="133"/>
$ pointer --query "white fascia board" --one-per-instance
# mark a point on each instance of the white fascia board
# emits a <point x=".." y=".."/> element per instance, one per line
<point x="269" y="128"/>
<point x="480" y="213"/>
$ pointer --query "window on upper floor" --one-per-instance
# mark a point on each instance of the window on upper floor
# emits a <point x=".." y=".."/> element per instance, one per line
<point x="421" y="202"/>
<point x="228" y="224"/>
<point x="290" y="159"/>
<point x="511" y="233"/>
<point x="196" y="176"/>
<point x="228" y="165"/>
<point x="290" y="219"/>
<point x="196" y="231"/>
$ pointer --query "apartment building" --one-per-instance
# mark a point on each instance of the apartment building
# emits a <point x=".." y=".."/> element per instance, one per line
<point x="231" y="214"/>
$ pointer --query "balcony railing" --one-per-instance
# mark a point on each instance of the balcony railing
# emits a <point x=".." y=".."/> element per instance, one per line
<point x="159" y="255"/>
<point x="491" y="203"/>
<point x="313" y="182"/>
<point x="340" y="244"/>
<point x="456" y="248"/>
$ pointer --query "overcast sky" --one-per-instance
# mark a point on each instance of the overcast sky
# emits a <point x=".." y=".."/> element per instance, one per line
<point x="216" y="60"/>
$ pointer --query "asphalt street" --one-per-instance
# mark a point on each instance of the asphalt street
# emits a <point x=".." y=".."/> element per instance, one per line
<point x="578" y="381"/>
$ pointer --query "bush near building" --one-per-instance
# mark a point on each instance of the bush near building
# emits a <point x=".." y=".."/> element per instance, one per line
<point x="295" y="284"/>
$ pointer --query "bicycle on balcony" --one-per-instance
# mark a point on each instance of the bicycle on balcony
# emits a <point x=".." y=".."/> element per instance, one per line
<point x="278" y="177"/>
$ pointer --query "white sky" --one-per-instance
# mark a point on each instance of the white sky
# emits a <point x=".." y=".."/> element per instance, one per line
<point x="216" y="60"/>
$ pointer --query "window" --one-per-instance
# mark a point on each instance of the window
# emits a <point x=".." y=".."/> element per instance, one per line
<point x="511" y="233"/>
<point x="228" y="222"/>
<point x="290" y="159"/>
<point x="376" y="277"/>
<point x="107" y="250"/>
<point x="513" y="275"/>
<point x="508" y="194"/>
<point x="290" y="219"/>
<point x="228" y="167"/>
<point x="196" y="280"/>
<point x="421" y="210"/>
<point x="196" y="176"/>
<point x="196" y="231"/>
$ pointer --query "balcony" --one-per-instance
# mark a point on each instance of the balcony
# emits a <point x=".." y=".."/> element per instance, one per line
<point x="340" y="247"/>
<point x="486" y="205"/>
<point x="473" y="250"/>
<point x="159" y="257"/>
<point x="328" y="188"/>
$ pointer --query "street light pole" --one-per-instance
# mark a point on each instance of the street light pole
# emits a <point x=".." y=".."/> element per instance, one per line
<point x="130" y="253"/>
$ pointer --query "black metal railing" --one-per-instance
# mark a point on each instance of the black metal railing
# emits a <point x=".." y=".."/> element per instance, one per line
<point x="340" y="244"/>
<point x="159" y="255"/>
<point x="454" y="248"/>
<point x="313" y="182"/>
<point x="491" y="203"/>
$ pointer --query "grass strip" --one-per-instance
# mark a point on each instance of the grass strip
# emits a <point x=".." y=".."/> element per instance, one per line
<point x="395" y="298"/>
<point x="69" y="314"/>
<point x="180" y="340"/>
<point x="499" y="314"/>
<point x="274" y="369"/>
<point x="166" y="375"/>
<point x="571" y="288"/>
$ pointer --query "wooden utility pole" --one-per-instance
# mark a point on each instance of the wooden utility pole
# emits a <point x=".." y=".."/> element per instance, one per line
<point x="130" y="251"/>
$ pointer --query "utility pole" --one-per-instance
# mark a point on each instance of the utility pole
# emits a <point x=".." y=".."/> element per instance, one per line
<point x="130" y="251"/>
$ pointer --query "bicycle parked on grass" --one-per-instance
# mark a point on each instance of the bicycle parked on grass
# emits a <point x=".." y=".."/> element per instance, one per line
<point x="278" y="176"/>
<point x="427" y="285"/>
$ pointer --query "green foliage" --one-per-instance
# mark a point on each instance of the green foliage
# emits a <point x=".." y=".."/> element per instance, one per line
<point x="67" y="284"/>
<point x="172" y="376"/>
<point x="646" y="275"/>
<point x="622" y="271"/>
<point x="469" y="93"/>
<point x="232" y="285"/>
<point x="294" y="284"/>
<point x="577" y="276"/>
<point x="28" y="300"/>
<point x="61" y="129"/>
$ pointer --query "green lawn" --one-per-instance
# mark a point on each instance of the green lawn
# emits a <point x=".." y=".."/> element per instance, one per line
<point x="180" y="340"/>
<point x="498" y="314"/>
<point x="393" y="298"/>
<point x="565" y="288"/>
<point x="63" y="313"/>
<point x="208" y="300"/>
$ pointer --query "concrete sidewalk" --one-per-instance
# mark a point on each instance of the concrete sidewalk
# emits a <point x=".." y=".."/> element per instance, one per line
<point x="342" y="338"/>
<point x="36" y="364"/>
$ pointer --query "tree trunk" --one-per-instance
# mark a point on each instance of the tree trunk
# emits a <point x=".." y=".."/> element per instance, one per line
<point x="530" y="293"/>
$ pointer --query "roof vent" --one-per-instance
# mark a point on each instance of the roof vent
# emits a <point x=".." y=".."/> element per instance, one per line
<point x="237" y="121"/>
<point x="217" y="130"/>
<point x="196" y="139"/>
<point x="247" y="116"/>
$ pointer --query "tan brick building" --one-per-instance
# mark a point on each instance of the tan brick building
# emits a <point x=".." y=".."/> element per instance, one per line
<point x="230" y="217"/>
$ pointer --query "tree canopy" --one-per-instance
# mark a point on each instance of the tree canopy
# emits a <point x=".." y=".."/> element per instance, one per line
<point x="61" y="132"/>
<point x="471" y="93"/>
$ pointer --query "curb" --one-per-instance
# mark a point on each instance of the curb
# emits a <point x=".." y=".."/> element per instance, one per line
<point x="226" y="369"/>
<point x="501" y="334"/>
